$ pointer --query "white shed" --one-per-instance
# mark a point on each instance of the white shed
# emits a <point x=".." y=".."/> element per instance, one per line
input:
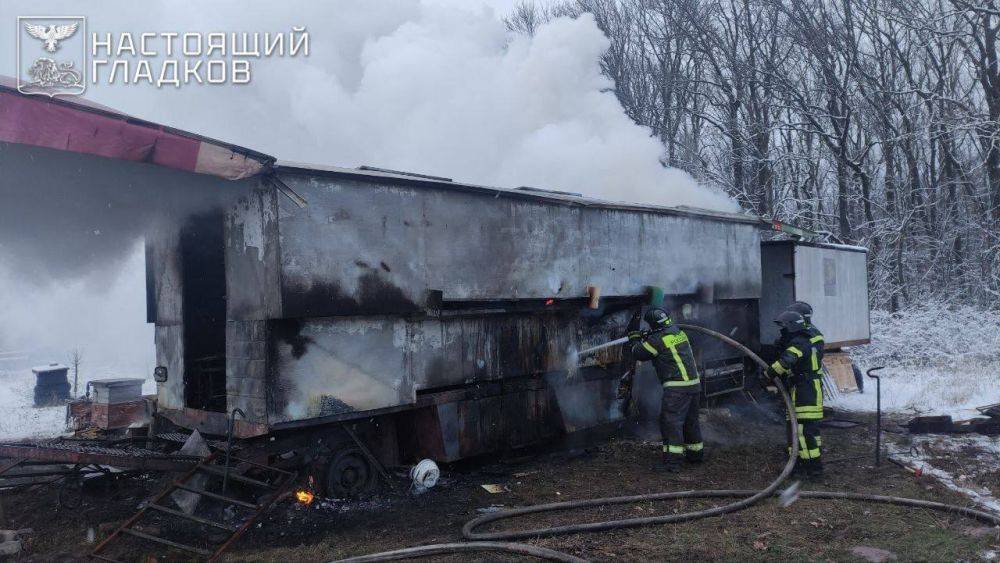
<point x="833" y="278"/>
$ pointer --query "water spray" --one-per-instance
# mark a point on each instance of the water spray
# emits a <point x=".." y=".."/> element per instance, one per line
<point x="599" y="347"/>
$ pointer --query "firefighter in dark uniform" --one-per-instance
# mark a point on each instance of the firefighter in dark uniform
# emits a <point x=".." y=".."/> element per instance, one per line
<point x="799" y="366"/>
<point x="667" y="346"/>
<point x="815" y="336"/>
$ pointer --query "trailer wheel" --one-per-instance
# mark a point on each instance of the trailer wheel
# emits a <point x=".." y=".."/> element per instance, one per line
<point x="349" y="474"/>
<point x="858" y="378"/>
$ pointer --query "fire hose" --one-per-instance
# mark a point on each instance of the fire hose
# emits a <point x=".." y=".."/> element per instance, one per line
<point x="445" y="548"/>
<point x="749" y="498"/>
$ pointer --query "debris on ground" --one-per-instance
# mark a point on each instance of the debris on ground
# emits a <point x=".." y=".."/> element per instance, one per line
<point x="873" y="554"/>
<point x="968" y="464"/>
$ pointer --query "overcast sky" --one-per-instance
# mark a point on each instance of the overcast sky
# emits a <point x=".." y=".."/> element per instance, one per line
<point x="335" y="27"/>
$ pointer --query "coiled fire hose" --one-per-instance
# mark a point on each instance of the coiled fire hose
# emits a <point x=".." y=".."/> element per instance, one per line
<point x="749" y="498"/>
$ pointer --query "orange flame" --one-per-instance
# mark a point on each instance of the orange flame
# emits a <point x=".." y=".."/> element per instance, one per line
<point x="305" y="497"/>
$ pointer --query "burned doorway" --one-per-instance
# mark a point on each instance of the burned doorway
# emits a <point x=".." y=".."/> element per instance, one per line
<point x="203" y="267"/>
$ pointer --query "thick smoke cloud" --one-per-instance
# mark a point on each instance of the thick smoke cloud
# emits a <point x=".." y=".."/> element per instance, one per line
<point x="437" y="87"/>
<point x="448" y="92"/>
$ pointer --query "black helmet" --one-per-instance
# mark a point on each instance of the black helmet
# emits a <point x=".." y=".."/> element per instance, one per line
<point x="802" y="308"/>
<point x="657" y="318"/>
<point x="790" y="322"/>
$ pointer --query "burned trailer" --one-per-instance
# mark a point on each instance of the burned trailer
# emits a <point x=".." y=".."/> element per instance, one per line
<point x="442" y="313"/>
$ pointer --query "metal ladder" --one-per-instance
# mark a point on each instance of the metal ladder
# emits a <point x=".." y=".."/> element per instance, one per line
<point x="278" y="482"/>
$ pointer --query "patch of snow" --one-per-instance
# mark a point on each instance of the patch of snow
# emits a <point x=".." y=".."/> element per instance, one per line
<point x="954" y="392"/>
<point x="939" y="360"/>
<point x="986" y="457"/>
<point x="19" y="419"/>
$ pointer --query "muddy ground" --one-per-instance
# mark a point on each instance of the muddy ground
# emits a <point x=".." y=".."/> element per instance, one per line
<point x="741" y="454"/>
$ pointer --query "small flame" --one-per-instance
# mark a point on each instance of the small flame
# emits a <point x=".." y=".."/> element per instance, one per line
<point x="549" y="301"/>
<point x="305" y="497"/>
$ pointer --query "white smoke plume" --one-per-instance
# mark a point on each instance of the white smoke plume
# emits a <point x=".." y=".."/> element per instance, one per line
<point x="433" y="86"/>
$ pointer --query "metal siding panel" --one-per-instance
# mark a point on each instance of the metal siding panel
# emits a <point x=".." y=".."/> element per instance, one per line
<point x="778" y="286"/>
<point x="252" y="270"/>
<point x="328" y="366"/>
<point x="842" y="316"/>
<point x="385" y="247"/>
<point x="170" y="354"/>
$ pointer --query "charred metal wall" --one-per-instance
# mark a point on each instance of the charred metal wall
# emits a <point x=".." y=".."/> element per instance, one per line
<point x="376" y="291"/>
<point x="336" y="365"/>
<point x="364" y="247"/>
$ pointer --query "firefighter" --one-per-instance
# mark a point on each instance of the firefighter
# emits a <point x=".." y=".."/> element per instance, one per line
<point x="667" y="346"/>
<point x="815" y="336"/>
<point x="799" y="365"/>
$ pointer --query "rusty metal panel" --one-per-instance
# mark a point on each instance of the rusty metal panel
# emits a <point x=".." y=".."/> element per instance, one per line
<point x="96" y="453"/>
<point x="121" y="415"/>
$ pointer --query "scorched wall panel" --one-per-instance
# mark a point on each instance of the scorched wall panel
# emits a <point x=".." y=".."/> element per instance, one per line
<point x="362" y="248"/>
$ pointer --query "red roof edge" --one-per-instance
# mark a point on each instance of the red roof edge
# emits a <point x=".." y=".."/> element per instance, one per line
<point x="78" y="125"/>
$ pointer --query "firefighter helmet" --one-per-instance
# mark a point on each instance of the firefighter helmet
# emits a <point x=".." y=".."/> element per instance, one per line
<point x="802" y="308"/>
<point x="657" y="318"/>
<point x="790" y="322"/>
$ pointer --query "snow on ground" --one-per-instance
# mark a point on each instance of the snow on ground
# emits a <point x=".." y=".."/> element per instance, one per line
<point x="938" y="360"/>
<point x="19" y="419"/>
<point x="960" y="463"/>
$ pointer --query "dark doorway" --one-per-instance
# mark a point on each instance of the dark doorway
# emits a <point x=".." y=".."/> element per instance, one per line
<point x="203" y="266"/>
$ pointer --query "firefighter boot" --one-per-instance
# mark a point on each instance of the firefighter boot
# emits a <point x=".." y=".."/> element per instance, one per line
<point x="670" y="463"/>
<point x="694" y="456"/>
<point x="814" y="469"/>
<point x="801" y="468"/>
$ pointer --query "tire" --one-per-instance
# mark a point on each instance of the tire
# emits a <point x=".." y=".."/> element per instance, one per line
<point x="349" y="474"/>
<point x="858" y="377"/>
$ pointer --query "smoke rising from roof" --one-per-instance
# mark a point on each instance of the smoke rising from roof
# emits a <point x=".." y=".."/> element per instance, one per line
<point x="438" y="87"/>
<point x="450" y="92"/>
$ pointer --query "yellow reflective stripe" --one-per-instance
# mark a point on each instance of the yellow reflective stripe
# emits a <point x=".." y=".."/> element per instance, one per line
<point x="809" y="408"/>
<point x="680" y="363"/>
<point x="803" y="449"/>
<point x="780" y="369"/>
<point x="795" y="351"/>
<point x="819" y="393"/>
<point x="817" y="338"/>
<point x="674" y="339"/>
<point x="650" y="348"/>
<point x="819" y="441"/>
<point x="674" y="449"/>
<point x="809" y="415"/>
<point x="671" y="341"/>
<point x="695" y="447"/>
<point x="815" y="360"/>
<point x="814" y="454"/>
<point x="678" y="383"/>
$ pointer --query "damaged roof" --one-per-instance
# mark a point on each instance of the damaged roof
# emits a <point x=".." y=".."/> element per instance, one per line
<point x="81" y="126"/>
<point x="522" y="193"/>
<point x="78" y="125"/>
